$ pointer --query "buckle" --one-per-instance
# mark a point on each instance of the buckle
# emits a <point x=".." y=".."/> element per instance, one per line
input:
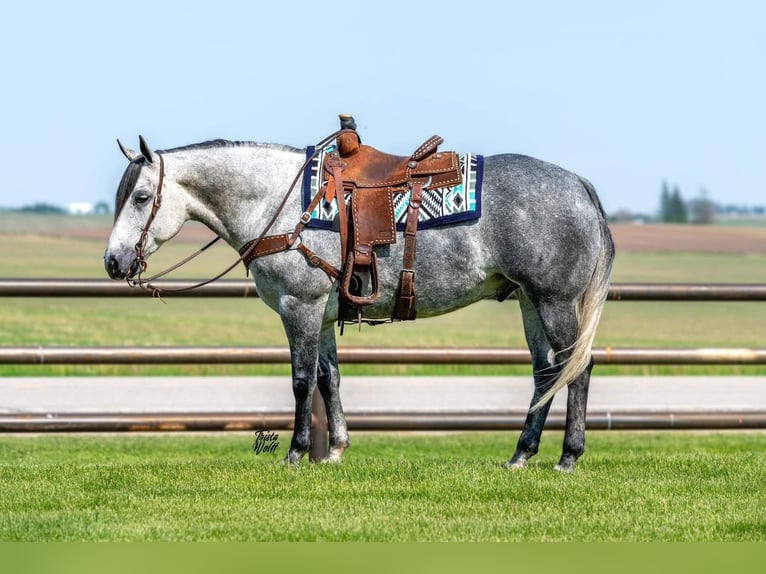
<point x="305" y="218"/>
<point x="295" y="244"/>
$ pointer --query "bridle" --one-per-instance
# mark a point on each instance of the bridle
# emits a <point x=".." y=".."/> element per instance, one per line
<point x="246" y="254"/>
<point x="140" y="248"/>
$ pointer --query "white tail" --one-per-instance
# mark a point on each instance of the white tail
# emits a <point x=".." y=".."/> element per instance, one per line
<point x="591" y="305"/>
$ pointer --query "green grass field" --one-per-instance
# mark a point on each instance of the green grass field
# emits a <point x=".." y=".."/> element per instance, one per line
<point x="629" y="487"/>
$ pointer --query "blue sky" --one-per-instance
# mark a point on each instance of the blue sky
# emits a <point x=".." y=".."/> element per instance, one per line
<point x="624" y="93"/>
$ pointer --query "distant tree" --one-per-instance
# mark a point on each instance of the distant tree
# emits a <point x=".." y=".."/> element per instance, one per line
<point x="43" y="208"/>
<point x="102" y="208"/>
<point x="680" y="206"/>
<point x="673" y="208"/>
<point x="665" y="202"/>
<point x="702" y="209"/>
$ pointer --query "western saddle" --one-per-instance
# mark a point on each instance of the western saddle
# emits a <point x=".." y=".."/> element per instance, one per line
<point x="364" y="180"/>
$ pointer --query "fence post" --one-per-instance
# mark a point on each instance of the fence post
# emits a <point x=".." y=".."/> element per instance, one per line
<point x="318" y="428"/>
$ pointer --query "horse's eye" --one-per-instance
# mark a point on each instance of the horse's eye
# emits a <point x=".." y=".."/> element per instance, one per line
<point x="141" y="197"/>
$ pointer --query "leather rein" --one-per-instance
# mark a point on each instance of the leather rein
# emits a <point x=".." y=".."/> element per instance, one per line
<point x="262" y="245"/>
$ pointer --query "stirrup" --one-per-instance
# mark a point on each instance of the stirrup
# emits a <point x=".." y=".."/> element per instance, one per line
<point x="346" y="285"/>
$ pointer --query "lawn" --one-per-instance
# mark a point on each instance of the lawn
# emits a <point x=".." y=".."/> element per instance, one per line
<point x="630" y="487"/>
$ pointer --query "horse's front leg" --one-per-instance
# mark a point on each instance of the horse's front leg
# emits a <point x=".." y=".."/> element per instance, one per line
<point x="328" y="379"/>
<point x="302" y="322"/>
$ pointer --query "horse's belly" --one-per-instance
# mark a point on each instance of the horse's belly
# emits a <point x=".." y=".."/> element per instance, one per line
<point x="445" y="279"/>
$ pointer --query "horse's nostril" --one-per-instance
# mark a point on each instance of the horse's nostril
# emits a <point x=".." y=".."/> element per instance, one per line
<point x="112" y="266"/>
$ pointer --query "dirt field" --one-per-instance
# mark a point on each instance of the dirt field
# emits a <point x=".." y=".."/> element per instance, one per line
<point x="628" y="237"/>
<point x="689" y="238"/>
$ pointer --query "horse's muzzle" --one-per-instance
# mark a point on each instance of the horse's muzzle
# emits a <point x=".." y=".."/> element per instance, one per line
<point x="118" y="270"/>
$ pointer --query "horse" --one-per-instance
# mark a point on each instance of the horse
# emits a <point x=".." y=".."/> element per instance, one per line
<point x="543" y="234"/>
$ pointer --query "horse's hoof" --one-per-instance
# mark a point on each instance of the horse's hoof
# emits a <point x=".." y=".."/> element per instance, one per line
<point x="293" y="458"/>
<point x="566" y="464"/>
<point x="516" y="464"/>
<point x="330" y="460"/>
<point x="335" y="456"/>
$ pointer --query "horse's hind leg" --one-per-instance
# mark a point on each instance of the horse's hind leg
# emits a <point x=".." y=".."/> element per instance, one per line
<point x="328" y="379"/>
<point x="559" y="321"/>
<point x="544" y="373"/>
<point x="559" y="326"/>
<point x="574" y="436"/>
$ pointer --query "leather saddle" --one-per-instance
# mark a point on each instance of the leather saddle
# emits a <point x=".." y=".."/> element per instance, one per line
<point x="364" y="181"/>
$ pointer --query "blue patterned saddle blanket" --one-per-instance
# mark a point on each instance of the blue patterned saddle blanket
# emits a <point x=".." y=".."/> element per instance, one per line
<point x="440" y="206"/>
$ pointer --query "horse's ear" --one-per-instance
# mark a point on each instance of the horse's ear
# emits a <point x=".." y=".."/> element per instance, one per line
<point x="127" y="152"/>
<point x="146" y="151"/>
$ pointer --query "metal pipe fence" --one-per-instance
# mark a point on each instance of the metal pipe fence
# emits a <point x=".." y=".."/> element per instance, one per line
<point x="366" y="355"/>
<point x="363" y="356"/>
<point x="416" y="421"/>
<point x="246" y="288"/>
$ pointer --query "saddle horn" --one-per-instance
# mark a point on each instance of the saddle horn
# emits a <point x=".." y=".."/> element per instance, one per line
<point x="347" y="122"/>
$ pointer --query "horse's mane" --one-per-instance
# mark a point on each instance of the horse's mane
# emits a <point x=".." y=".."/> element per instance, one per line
<point x="130" y="176"/>
<point x="218" y="143"/>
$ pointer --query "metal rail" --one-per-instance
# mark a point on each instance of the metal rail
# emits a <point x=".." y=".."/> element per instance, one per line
<point x="363" y="355"/>
<point x="246" y="288"/>
<point x="108" y="288"/>
<point x="105" y="422"/>
<point x="486" y="421"/>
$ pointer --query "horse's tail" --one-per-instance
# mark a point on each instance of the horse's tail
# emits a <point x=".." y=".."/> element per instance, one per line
<point x="590" y="306"/>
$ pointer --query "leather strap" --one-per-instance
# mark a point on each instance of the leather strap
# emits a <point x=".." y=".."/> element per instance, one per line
<point x="317" y="261"/>
<point x="264" y="246"/>
<point x="404" y="307"/>
<point x="428" y="147"/>
<point x="276" y="244"/>
<point x="306" y="215"/>
<point x="335" y="190"/>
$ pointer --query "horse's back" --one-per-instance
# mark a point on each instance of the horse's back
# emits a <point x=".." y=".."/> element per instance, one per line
<point x="544" y="223"/>
<point x="526" y="185"/>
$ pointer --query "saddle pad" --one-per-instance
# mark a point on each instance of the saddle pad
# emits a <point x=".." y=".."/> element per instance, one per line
<point x="441" y="206"/>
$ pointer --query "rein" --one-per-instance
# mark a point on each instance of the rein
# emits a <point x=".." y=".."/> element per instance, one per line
<point x="247" y="253"/>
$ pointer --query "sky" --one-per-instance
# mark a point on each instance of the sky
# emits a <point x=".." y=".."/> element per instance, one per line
<point x="627" y="94"/>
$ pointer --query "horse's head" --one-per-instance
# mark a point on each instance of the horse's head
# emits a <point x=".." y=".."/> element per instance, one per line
<point x="150" y="208"/>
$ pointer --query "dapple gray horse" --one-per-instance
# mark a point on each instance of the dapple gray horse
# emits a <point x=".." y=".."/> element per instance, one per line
<point x="543" y="234"/>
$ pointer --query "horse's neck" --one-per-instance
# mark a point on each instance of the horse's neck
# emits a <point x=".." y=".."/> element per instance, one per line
<point x="236" y="191"/>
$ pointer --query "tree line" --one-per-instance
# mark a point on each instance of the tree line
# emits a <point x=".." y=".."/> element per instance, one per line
<point x="42" y="208"/>
<point x="673" y="208"/>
